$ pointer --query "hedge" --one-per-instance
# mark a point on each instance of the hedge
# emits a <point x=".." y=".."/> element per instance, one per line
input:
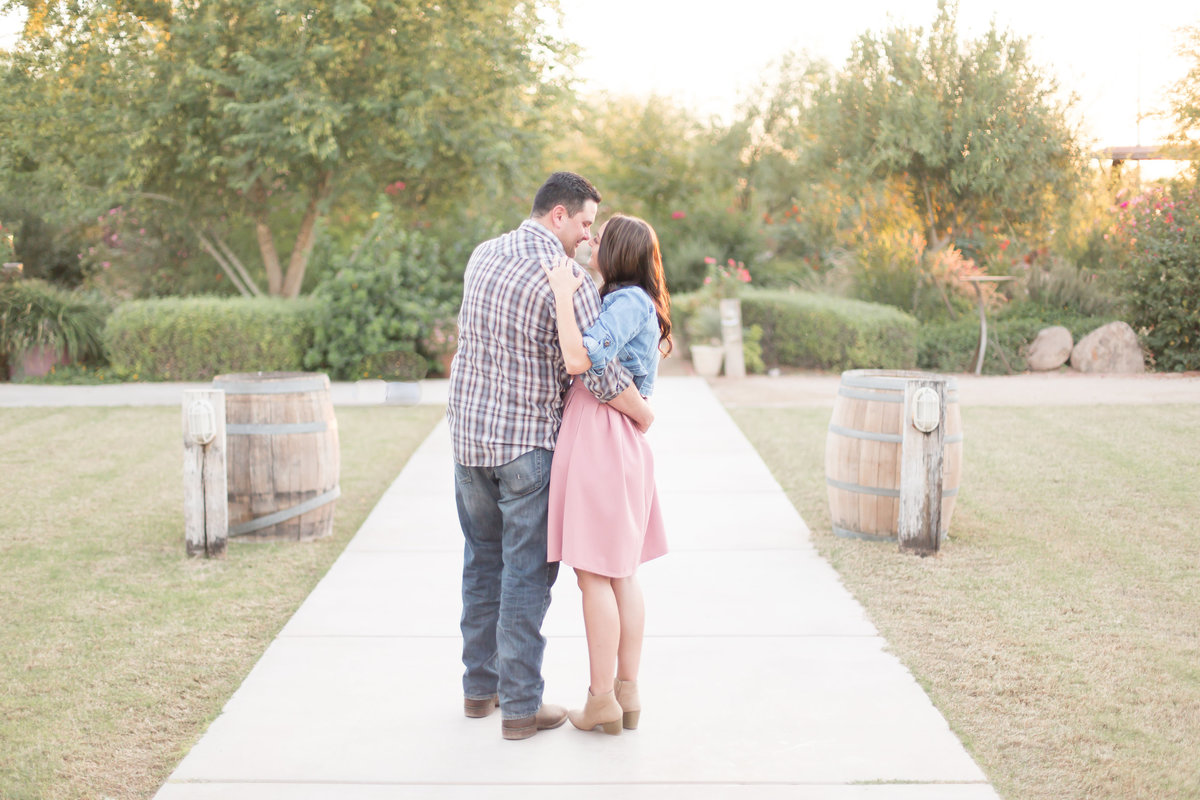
<point x="193" y="339"/>
<point x="813" y="331"/>
<point x="952" y="346"/>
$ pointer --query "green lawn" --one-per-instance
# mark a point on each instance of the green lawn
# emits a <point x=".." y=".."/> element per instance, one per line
<point x="1059" y="629"/>
<point x="117" y="649"/>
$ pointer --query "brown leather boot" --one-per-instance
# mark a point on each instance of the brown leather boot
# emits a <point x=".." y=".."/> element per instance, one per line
<point x="547" y="717"/>
<point x="601" y="710"/>
<point x="631" y="704"/>
<point x="480" y="708"/>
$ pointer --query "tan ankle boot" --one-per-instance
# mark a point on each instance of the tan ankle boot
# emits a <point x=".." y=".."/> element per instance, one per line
<point x="627" y="697"/>
<point x="600" y="710"/>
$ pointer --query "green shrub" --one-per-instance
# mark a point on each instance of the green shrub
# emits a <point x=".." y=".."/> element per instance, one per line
<point x="34" y="313"/>
<point x="1162" y="279"/>
<point x="193" y="339"/>
<point x="703" y="325"/>
<point x="953" y="346"/>
<point x="814" y="331"/>
<point x="389" y="312"/>
<point x="699" y="319"/>
<point x="1057" y="284"/>
<point x="752" y="349"/>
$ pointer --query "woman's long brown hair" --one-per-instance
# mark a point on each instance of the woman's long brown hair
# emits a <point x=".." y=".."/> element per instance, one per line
<point x="630" y="256"/>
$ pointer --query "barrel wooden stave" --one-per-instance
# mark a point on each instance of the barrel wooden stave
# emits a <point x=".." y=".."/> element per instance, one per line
<point x="862" y="472"/>
<point x="270" y="473"/>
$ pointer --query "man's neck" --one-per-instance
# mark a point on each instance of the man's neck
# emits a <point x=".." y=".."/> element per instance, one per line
<point x="541" y="223"/>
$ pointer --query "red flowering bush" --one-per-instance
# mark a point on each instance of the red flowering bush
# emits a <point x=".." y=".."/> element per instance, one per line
<point x="1161" y="235"/>
<point x="725" y="280"/>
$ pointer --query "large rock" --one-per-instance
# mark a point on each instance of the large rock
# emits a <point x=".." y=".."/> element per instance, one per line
<point x="1111" y="348"/>
<point x="1050" y="349"/>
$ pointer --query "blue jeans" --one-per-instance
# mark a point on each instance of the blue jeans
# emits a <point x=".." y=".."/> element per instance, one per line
<point x="506" y="580"/>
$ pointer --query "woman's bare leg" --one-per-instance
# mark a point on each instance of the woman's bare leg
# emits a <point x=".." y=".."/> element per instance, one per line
<point x="602" y="625"/>
<point x="631" y="611"/>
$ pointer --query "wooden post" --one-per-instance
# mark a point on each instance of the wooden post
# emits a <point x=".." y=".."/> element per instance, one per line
<point x="205" y="505"/>
<point x="920" y="523"/>
<point x="731" y="337"/>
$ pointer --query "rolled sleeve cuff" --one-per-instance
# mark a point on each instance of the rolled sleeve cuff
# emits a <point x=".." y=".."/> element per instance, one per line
<point x="608" y="384"/>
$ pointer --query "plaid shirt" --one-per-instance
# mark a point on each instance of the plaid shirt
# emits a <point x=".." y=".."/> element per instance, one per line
<point x="508" y="378"/>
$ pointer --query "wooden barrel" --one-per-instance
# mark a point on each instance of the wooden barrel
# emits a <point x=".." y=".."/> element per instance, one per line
<point x="282" y="454"/>
<point x="862" y="453"/>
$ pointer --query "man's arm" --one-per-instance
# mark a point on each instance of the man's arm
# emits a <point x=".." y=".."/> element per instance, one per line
<point x="631" y="403"/>
<point x="616" y="387"/>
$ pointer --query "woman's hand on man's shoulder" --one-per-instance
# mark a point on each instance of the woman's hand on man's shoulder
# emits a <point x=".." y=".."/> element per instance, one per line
<point x="564" y="276"/>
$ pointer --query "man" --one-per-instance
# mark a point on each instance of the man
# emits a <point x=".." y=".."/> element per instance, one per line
<point x="507" y="383"/>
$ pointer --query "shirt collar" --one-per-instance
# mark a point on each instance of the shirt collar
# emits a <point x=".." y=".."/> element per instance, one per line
<point x="538" y="229"/>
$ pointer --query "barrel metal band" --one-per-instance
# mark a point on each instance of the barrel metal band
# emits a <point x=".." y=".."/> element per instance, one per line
<point x="877" y="491"/>
<point x="951" y="397"/>
<point x="875" y="537"/>
<point x="319" y="426"/>
<point x="282" y="516"/>
<point x="891" y="438"/>
<point x="854" y="487"/>
<point x="871" y="436"/>
<point x="892" y="383"/>
<point x="275" y="387"/>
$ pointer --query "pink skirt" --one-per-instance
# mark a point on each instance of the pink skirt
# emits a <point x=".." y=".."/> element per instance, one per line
<point x="604" y="512"/>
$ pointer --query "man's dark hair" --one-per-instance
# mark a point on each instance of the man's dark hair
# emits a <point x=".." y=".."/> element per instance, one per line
<point x="564" y="189"/>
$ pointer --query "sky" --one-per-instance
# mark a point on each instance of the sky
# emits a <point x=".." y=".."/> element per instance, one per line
<point x="705" y="55"/>
<point x="1118" y="57"/>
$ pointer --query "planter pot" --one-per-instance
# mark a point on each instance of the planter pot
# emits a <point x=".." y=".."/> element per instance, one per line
<point x="706" y="359"/>
<point x="36" y="362"/>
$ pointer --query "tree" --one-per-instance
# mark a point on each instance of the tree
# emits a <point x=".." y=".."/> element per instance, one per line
<point x="1185" y="102"/>
<point x="238" y="114"/>
<point x="653" y="159"/>
<point x="974" y="129"/>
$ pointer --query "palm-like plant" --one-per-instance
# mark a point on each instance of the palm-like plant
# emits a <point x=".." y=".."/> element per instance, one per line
<point x="35" y="314"/>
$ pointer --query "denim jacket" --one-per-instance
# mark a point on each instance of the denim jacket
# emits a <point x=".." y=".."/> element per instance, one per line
<point x="627" y="329"/>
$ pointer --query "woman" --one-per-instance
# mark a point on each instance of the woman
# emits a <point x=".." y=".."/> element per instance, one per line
<point x="604" y="514"/>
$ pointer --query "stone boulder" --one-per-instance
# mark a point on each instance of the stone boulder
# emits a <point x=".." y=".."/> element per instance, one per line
<point x="1111" y="348"/>
<point x="1050" y="349"/>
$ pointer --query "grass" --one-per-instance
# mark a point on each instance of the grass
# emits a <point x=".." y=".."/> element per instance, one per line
<point x="1058" y="629"/>
<point x="117" y="649"/>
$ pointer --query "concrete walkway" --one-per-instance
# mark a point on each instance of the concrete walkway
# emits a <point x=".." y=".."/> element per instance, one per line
<point x="762" y="678"/>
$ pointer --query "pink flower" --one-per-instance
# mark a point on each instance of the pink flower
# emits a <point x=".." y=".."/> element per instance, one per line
<point x="677" y="215"/>
<point x="732" y="263"/>
<point x="707" y="280"/>
<point x="743" y="275"/>
<point x="395" y="188"/>
<point x="709" y="260"/>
